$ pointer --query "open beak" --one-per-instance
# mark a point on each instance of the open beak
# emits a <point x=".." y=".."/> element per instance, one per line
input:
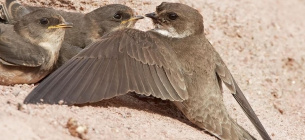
<point x="62" y="25"/>
<point x="135" y="18"/>
<point x="151" y="15"/>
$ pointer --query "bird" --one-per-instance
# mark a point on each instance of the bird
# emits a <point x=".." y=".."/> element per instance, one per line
<point x="173" y="61"/>
<point x="87" y="27"/>
<point x="29" y="48"/>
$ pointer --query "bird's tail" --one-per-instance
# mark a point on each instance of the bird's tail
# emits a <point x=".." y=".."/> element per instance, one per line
<point x="232" y="131"/>
<point x="244" y="133"/>
<point x="215" y="119"/>
<point x="12" y="11"/>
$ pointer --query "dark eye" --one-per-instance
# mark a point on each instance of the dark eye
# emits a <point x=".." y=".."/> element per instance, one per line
<point x="44" y="21"/>
<point x="172" y="16"/>
<point x="117" y="16"/>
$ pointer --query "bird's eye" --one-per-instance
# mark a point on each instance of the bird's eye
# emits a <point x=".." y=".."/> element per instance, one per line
<point x="117" y="16"/>
<point x="172" y="16"/>
<point x="44" y="21"/>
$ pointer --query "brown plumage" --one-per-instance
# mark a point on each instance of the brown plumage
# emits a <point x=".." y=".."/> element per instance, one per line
<point x="29" y="48"/>
<point x="173" y="61"/>
<point x="87" y="27"/>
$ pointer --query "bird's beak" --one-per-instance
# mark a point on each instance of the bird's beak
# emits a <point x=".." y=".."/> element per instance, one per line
<point x="135" y="18"/>
<point x="152" y="15"/>
<point x="62" y="25"/>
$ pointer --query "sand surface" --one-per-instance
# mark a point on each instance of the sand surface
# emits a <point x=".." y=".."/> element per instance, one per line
<point x="262" y="42"/>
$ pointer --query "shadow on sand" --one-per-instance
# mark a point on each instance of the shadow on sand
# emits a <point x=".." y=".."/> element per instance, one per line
<point x="145" y="103"/>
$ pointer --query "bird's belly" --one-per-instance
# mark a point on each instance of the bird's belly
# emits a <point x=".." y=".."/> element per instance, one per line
<point x="10" y="75"/>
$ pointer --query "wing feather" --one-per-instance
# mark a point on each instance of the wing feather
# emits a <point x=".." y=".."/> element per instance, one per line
<point x="14" y="50"/>
<point x="120" y="62"/>
<point x="224" y="75"/>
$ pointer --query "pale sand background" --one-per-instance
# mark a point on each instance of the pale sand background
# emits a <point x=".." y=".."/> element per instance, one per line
<point x="262" y="43"/>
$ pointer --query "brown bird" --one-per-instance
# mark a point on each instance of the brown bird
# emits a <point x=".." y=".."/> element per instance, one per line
<point x="173" y="61"/>
<point x="29" y="48"/>
<point x="87" y="27"/>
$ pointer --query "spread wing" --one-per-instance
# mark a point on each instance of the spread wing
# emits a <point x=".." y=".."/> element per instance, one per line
<point x="123" y="61"/>
<point x="225" y="76"/>
<point x="14" y="50"/>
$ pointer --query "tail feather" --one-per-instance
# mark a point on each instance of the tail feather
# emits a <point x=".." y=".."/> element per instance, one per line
<point x="215" y="119"/>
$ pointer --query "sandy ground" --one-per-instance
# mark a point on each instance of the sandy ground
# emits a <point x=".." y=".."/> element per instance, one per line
<point x="261" y="41"/>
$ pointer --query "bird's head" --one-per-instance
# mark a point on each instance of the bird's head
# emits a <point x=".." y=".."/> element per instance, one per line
<point x="176" y="20"/>
<point x="43" y="26"/>
<point x="112" y="17"/>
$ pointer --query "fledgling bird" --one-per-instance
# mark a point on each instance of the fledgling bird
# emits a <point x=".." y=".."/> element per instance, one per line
<point x="87" y="27"/>
<point x="173" y="61"/>
<point x="29" y="48"/>
<point x="91" y="26"/>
